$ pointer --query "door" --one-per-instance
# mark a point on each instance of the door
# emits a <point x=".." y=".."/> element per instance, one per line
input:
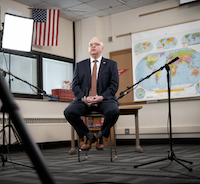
<point x="124" y="62"/>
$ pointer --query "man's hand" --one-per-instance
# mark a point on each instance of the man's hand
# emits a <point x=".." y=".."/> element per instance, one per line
<point x="92" y="100"/>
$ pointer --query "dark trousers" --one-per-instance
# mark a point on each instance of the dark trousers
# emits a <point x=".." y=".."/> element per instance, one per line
<point x="76" y="109"/>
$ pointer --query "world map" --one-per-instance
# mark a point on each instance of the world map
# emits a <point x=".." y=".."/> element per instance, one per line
<point x="185" y="72"/>
<point x="167" y="43"/>
<point x="140" y="93"/>
<point x="191" y="39"/>
<point x="144" y="47"/>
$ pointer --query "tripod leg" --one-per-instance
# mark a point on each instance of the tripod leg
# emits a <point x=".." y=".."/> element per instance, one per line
<point x="184" y="161"/>
<point x="3" y="148"/>
<point x="18" y="138"/>
<point x="136" y="166"/>
<point x="177" y="160"/>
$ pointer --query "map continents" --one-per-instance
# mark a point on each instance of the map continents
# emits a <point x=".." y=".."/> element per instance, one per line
<point x="191" y="39"/>
<point x="140" y="93"/>
<point x="143" y="47"/>
<point x="167" y="43"/>
<point x="185" y="72"/>
<point x="198" y="87"/>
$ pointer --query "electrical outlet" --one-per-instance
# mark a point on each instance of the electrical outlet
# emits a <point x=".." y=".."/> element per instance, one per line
<point x="126" y="131"/>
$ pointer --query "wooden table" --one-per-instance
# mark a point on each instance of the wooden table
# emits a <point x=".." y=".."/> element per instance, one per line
<point x="124" y="110"/>
<point x="127" y="110"/>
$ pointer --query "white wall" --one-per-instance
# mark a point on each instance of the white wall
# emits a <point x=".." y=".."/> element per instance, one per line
<point x="45" y="132"/>
<point x="153" y="121"/>
<point x="152" y="117"/>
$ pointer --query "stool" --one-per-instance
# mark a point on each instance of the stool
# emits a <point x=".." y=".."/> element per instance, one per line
<point x="97" y="119"/>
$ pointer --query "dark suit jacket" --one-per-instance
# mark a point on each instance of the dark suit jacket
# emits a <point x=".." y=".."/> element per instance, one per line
<point x="107" y="81"/>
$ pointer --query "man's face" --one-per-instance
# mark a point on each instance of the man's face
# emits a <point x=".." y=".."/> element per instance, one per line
<point x="95" y="48"/>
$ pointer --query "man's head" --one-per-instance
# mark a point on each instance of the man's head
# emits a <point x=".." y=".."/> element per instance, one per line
<point x="95" y="47"/>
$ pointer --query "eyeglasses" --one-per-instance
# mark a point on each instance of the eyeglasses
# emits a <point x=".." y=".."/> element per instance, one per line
<point x="94" y="44"/>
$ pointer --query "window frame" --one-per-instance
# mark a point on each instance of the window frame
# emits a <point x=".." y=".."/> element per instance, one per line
<point x="39" y="57"/>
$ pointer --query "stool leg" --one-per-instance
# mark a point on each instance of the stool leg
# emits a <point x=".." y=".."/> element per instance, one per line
<point x="111" y="157"/>
<point x="73" y="148"/>
<point x="79" y="152"/>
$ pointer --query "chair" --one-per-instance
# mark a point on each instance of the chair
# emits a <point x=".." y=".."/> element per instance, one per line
<point x="97" y="119"/>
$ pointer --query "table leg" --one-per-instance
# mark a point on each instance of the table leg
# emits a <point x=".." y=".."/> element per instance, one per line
<point x="137" y="147"/>
<point x="73" y="148"/>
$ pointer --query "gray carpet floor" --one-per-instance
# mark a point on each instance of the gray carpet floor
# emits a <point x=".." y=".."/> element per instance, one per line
<point x="98" y="168"/>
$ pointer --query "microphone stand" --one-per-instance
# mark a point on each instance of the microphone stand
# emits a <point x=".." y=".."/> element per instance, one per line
<point x="171" y="155"/>
<point x="42" y="92"/>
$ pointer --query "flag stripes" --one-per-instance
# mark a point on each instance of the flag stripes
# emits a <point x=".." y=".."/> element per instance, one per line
<point x="45" y="27"/>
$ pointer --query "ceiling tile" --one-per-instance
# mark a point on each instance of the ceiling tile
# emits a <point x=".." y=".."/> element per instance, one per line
<point x="84" y="7"/>
<point x="129" y="1"/>
<point x="77" y="18"/>
<point x="91" y="8"/>
<point x="104" y="4"/>
<point x="45" y="6"/>
<point x="140" y="3"/>
<point x="98" y="14"/>
<point x="68" y="14"/>
<point x="117" y="9"/>
<point x="84" y="1"/>
<point x="64" y="3"/>
<point x="28" y="2"/>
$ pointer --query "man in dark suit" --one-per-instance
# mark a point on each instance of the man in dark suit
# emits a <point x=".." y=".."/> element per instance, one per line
<point x="104" y="99"/>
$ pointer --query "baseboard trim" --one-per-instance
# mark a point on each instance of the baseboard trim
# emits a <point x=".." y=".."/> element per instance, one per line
<point x="67" y="144"/>
<point x="158" y="141"/>
<point x="42" y="146"/>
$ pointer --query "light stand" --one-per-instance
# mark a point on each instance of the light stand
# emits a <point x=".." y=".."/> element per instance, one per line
<point x="171" y="154"/>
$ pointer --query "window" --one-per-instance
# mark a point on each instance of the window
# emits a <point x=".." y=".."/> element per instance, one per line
<point x="44" y="71"/>
<point x="54" y="73"/>
<point x="24" y="68"/>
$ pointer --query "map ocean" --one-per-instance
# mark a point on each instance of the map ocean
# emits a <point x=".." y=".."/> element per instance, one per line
<point x="185" y="72"/>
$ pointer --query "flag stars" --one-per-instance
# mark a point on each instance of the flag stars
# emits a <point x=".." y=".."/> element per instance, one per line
<point x="39" y="15"/>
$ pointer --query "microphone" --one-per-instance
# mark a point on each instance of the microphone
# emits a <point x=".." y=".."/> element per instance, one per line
<point x="173" y="60"/>
<point x="122" y="94"/>
<point x="43" y="93"/>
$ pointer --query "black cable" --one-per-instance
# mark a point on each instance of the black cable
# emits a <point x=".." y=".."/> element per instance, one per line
<point x="5" y="61"/>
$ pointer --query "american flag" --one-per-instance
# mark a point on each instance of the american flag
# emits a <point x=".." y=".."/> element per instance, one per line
<point x="45" y="27"/>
